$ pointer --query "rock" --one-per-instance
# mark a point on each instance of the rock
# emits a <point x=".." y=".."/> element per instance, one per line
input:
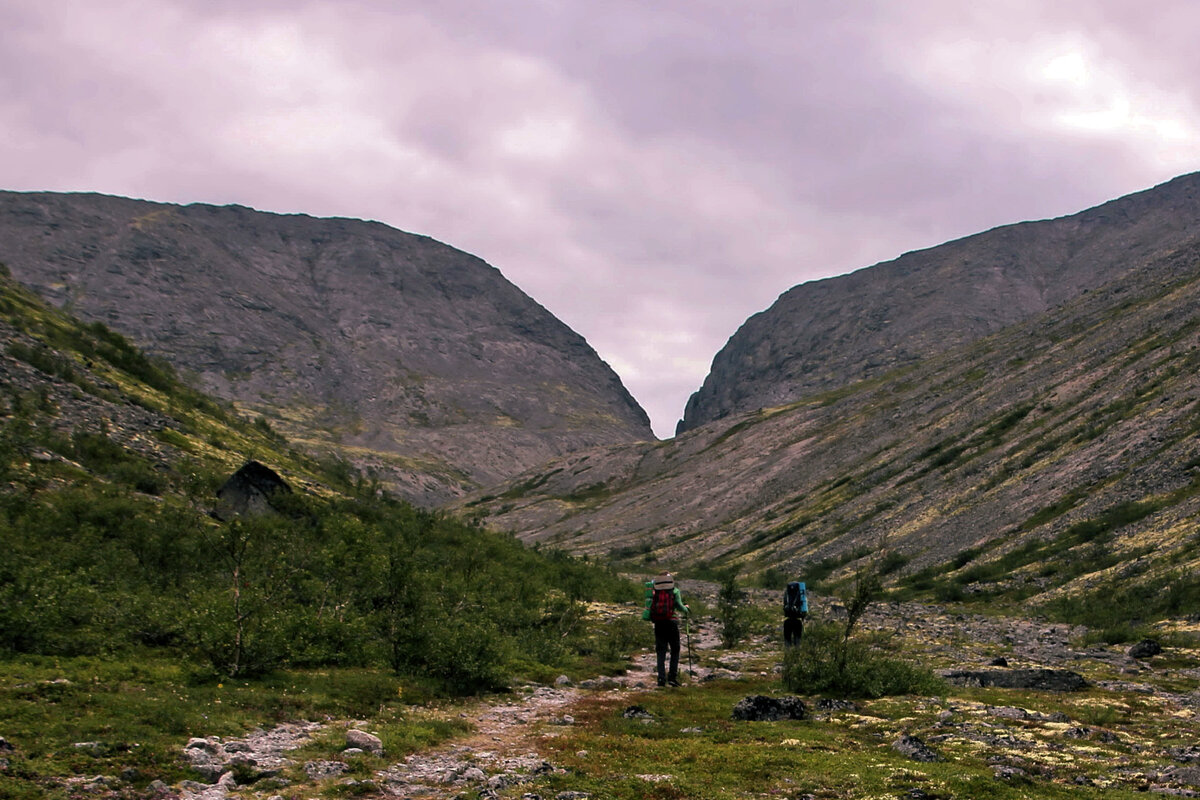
<point x="1052" y="680"/>
<point x="325" y="769"/>
<point x="1145" y="649"/>
<point x="1186" y="776"/>
<point x="1004" y="772"/>
<point x="831" y="704"/>
<point x="365" y="741"/>
<point x="636" y="712"/>
<point x="914" y="748"/>
<point x="762" y="707"/>
<point x="1188" y="754"/>
<point x="474" y="775"/>
<point x="562" y="681"/>
<point x="1008" y="712"/>
<point x="6" y="746"/>
<point x="572" y="796"/>
<point x="999" y="661"/>
<point x="249" y="491"/>
<point x="95" y="749"/>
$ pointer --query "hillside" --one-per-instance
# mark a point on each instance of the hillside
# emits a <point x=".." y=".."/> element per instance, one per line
<point x="1061" y="451"/>
<point x="116" y="536"/>
<point x="410" y="358"/>
<point x="826" y="334"/>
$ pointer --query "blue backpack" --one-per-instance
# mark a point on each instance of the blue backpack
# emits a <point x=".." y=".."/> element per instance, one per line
<point x="795" y="600"/>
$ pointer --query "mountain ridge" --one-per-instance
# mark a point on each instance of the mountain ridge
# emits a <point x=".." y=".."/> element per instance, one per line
<point x="823" y="334"/>
<point x="1051" y="456"/>
<point x="416" y="360"/>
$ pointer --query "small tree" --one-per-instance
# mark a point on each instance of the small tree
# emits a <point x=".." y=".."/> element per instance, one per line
<point x="830" y="659"/>
<point x="731" y="610"/>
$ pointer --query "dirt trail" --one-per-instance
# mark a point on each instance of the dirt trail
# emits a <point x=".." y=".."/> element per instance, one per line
<point x="501" y="751"/>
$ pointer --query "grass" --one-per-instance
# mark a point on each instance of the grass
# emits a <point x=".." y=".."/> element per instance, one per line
<point x="140" y="711"/>
<point x="692" y="748"/>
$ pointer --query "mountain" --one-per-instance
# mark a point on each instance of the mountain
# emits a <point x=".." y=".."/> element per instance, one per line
<point x="413" y="359"/>
<point x="1059" y="453"/>
<point x="828" y="333"/>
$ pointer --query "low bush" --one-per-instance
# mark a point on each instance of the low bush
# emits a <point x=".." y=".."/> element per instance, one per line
<point x="828" y="663"/>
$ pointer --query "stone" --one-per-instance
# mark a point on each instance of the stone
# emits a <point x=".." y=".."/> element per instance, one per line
<point x="914" y="748"/>
<point x="562" y="680"/>
<point x="325" y="769"/>
<point x="365" y="741"/>
<point x="6" y="746"/>
<point x="762" y="707"/>
<point x="1053" y="680"/>
<point x="636" y="712"/>
<point x="1145" y="649"/>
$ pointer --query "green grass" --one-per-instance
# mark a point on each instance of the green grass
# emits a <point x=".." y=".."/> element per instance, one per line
<point x="142" y="709"/>
<point x="848" y="755"/>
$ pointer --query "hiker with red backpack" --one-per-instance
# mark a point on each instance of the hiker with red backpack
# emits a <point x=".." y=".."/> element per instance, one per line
<point x="662" y="601"/>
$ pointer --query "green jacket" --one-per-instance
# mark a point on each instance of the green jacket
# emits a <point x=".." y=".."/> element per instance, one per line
<point x="679" y="606"/>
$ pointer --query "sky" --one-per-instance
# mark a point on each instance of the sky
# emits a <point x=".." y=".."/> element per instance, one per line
<point x="653" y="173"/>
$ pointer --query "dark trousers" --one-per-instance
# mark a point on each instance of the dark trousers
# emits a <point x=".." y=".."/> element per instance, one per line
<point x="666" y="636"/>
<point x="793" y="629"/>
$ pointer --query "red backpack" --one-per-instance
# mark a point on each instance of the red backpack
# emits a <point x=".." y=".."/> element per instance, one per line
<point x="662" y="606"/>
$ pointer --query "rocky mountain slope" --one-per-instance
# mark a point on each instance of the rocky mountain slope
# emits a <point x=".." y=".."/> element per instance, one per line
<point x="828" y="333"/>
<point x="1061" y="451"/>
<point x="406" y="355"/>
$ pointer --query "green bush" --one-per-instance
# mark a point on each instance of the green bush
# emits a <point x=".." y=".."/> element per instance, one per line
<point x="828" y="663"/>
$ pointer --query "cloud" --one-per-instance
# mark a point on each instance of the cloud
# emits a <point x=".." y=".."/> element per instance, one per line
<point x="653" y="173"/>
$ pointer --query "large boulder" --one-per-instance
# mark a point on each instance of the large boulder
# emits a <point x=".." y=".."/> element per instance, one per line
<point x="249" y="492"/>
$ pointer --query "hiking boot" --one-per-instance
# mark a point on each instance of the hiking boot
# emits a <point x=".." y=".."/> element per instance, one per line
<point x="671" y="683"/>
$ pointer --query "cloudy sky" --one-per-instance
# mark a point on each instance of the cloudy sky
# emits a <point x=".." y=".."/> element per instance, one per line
<point x="651" y="172"/>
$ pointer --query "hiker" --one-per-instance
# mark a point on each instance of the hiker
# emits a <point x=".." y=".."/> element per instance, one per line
<point x="795" y="611"/>
<point x="662" y="601"/>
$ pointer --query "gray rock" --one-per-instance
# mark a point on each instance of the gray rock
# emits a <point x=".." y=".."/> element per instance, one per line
<point x="318" y="770"/>
<point x="1145" y="649"/>
<point x="364" y="741"/>
<point x="562" y="680"/>
<point x="762" y="707"/>
<point x="914" y="748"/>
<point x="636" y="712"/>
<point x="1054" y="680"/>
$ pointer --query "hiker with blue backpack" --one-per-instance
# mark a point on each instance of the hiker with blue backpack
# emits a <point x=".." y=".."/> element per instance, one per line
<point x="795" y="611"/>
<point x="662" y="601"/>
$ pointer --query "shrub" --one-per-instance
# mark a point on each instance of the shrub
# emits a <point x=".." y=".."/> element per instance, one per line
<point x="731" y="602"/>
<point x="826" y="662"/>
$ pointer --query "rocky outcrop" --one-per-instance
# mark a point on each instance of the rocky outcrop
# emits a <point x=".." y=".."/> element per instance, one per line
<point x="405" y="355"/>
<point x="829" y="333"/>
<point x="248" y="491"/>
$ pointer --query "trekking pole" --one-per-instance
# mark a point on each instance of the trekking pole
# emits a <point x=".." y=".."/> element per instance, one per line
<point x="687" y="624"/>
